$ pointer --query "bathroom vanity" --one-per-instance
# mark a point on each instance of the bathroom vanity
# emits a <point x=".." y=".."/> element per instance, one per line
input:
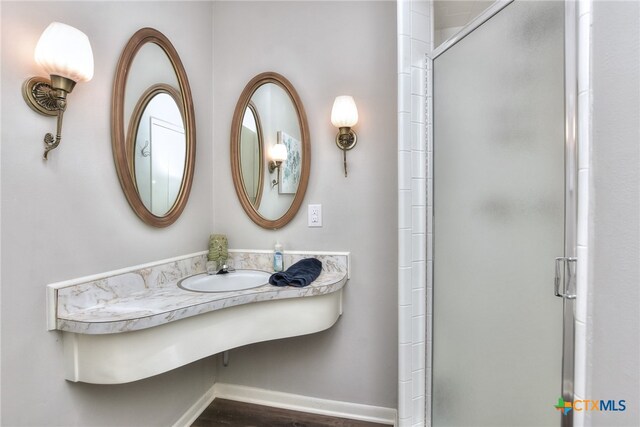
<point x="134" y="323"/>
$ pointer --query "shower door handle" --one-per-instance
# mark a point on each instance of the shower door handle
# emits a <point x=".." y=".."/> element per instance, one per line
<point x="565" y="277"/>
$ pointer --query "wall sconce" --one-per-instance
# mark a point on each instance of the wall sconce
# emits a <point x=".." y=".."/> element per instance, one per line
<point x="65" y="54"/>
<point x="344" y="115"/>
<point x="278" y="154"/>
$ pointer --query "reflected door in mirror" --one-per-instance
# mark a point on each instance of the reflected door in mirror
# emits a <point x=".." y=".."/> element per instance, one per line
<point x="159" y="152"/>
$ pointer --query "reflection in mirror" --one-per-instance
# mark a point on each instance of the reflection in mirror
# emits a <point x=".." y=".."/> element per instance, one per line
<point x="280" y="125"/>
<point x="251" y="159"/>
<point x="159" y="148"/>
<point x="449" y="17"/>
<point x="141" y="77"/>
<point x="270" y="152"/>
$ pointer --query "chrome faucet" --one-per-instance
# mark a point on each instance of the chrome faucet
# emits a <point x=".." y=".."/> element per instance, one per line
<point x="225" y="269"/>
<point x="212" y="268"/>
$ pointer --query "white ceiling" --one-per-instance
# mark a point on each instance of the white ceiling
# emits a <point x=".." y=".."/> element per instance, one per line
<point x="457" y="13"/>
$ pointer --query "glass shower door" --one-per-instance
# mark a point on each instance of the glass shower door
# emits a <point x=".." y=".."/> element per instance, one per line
<point x="499" y="220"/>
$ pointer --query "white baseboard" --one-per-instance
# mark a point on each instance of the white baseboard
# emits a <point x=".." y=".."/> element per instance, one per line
<point x="312" y="405"/>
<point x="196" y="409"/>
<point x="293" y="402"/>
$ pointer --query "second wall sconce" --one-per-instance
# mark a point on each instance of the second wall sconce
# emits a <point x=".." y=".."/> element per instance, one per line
<point x="344" y="115"/>
<point x="65" y="54"/>
<point x="278" y="154"/>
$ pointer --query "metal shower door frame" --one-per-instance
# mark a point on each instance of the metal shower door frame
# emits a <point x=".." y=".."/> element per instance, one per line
<point x="570" y="184"/>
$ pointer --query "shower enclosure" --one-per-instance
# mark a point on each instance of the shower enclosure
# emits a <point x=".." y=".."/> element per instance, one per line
<point x="504" y="209"/>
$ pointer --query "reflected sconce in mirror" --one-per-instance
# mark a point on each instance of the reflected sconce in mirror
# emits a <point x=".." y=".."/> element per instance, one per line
<point x="344" y="115"/>
<point x="65" y="54"/>
<point x="278" y="154"/>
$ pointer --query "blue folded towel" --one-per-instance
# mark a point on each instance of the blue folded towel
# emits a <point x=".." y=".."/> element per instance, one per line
<point x="300" y="274"/>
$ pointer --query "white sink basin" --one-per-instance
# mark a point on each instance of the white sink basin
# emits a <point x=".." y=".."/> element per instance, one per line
<point x="234" y="281"/>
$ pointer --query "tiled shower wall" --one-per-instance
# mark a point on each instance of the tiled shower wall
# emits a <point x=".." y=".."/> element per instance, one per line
<point x="414" y="42"/>
<point x="584" y="159"/>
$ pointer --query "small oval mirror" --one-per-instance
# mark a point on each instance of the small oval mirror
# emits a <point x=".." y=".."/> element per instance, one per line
<point x="270" y="150"/>
<point x="152" y="100"/>
<point x="251" y="158"/>
<point x="159" y="148"/>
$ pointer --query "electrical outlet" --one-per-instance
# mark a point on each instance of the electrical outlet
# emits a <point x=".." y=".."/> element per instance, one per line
<point x="315" y="216"/>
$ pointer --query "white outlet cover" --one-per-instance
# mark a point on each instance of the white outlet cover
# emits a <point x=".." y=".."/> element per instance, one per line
<point x="314" y="216"/>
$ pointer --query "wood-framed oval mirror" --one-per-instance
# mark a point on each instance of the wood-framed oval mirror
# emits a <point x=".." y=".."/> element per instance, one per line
<point x="153" y="128"/>
<point x="270" y="193"/>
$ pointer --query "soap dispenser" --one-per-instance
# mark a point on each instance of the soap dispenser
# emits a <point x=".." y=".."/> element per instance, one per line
<point x="278" y="258"/>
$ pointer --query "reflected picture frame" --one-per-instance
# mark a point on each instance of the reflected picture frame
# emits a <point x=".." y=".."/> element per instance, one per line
<point x="291" y="168"/>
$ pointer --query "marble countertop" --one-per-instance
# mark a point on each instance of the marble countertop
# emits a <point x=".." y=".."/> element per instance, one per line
<point x="128" y="302"/>
<point x="153" y="307"/>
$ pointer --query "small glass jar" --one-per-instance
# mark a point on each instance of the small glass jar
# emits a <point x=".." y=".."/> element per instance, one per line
<point x="212" y="267"/>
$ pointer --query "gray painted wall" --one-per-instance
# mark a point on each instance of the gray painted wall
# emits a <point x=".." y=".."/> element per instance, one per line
<point x="325" y="49"/>
<point x="614" y="349"/>
<point x="68" y="217"/>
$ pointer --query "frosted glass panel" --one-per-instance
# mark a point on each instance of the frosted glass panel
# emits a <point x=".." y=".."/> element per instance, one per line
<point x="449" y="16"/>
<point x="498" y="221"/>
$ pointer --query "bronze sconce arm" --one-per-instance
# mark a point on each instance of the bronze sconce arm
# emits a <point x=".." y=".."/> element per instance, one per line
<point x="49" y="98"/>
<point x="346" y="139"/>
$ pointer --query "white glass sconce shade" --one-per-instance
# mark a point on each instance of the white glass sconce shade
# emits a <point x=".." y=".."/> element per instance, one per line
<point x="278" y="153"/>
<point x="66" y="52"/>
<point x="344" y="112"/>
